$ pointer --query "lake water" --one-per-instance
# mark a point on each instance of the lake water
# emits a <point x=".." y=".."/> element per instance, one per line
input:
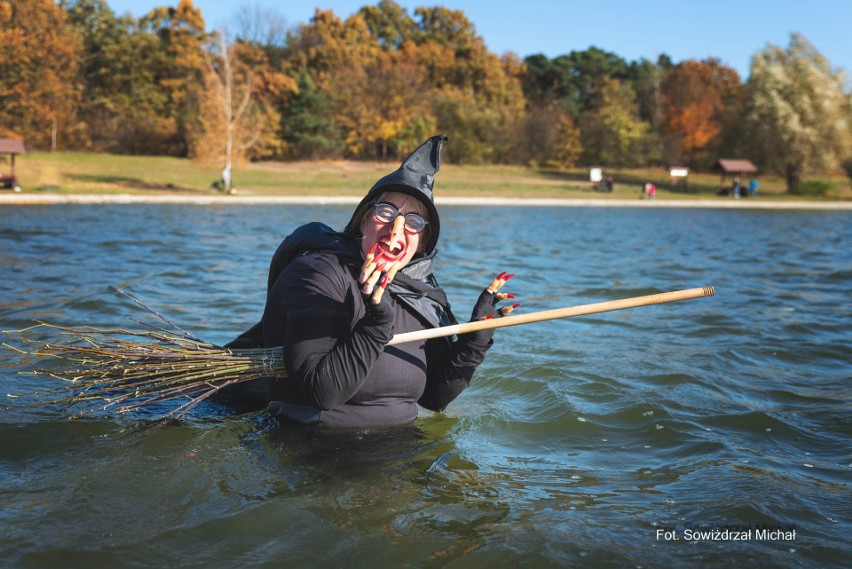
<point x="592" y="441"/>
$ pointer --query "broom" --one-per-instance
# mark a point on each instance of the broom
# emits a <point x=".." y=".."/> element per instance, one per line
<point x="123" y="370"/>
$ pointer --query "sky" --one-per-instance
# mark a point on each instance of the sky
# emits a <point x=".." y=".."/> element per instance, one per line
<point x="732" y="31"/>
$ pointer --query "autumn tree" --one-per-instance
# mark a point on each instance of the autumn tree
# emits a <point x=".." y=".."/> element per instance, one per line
<point x="612" y="132"/>
<point x="564" y="98"/>
<point x="646" y="78"/>
<point x="100" y="34"/>
<point x="551" y="137"/>
<point x="799" y="112"/>
<point x="699" y="101"/>
<point x="176" y="65"/>
<point x="388" y="111"/>
<point x="390" y="24"/>
<point x="393" y="79"/>
<point x="369" y="93"/>
<point x="453" y="52"/>
<point x="39" y="56"/>
<point x="341" y="56"/>
<point x="328" y="44"/>
<point x="378" y="95"/>
<point x="477" y="95"/>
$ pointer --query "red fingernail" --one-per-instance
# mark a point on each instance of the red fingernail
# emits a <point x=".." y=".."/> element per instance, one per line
<point x="385" y="281"/>
<point x="501" y="275"/>
<point x="507" y="277"/>
<point x="514" y="306"/>
<point x="510" y="295"/>
<point x="373" y="249"/>
<point x="489" y="317"/>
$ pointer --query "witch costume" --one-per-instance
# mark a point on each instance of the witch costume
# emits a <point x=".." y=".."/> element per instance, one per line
<point x="341" y="372"/>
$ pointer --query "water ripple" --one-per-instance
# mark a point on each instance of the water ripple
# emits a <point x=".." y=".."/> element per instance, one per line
<point x="576" y="442"/>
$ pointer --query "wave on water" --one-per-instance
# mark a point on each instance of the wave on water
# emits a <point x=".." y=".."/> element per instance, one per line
<point x="577" y="442"/>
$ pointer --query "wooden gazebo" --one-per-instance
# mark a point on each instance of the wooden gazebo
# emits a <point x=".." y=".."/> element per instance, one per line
<point x="737" y="167"/>
<point x="11" y="147"/>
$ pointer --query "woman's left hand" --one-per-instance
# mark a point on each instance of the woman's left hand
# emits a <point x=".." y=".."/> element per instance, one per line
<point x="486" y="305"/>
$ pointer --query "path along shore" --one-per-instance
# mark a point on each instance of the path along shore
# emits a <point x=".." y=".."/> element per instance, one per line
<point x="726" y="203"/>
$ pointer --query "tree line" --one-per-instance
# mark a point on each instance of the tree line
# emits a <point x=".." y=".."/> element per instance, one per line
<point x="74" y="75"/>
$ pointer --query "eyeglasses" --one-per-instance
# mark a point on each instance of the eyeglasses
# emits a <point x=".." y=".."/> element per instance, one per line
<point x="386" y="213"/>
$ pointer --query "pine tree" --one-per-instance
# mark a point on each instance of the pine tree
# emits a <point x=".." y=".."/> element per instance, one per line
<point x="306" y="125"/>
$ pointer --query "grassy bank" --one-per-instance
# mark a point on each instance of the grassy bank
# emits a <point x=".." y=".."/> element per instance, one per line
<point x="74" y="173"/>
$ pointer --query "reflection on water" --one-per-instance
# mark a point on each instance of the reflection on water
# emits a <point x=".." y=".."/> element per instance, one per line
<point x="577" y="441"/>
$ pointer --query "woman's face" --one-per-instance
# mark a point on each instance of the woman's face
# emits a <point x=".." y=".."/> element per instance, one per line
<point x="400" y="245"/>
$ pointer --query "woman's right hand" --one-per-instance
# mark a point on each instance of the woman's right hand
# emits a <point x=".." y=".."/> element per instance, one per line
<point x="373" y="281"/>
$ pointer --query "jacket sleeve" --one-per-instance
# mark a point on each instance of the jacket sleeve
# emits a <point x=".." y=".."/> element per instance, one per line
<point x="450" y="369"/>
<point x="327" y="358"/>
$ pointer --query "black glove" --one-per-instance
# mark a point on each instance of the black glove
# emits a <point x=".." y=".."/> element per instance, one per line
<point x="486" y="306"/>
<point x="382" y="313"/>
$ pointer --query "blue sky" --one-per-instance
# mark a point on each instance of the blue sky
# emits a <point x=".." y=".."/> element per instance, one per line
<point x="730" y="30"/>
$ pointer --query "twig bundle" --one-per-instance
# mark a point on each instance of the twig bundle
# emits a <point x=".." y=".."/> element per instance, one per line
<point x="124" y="370"/>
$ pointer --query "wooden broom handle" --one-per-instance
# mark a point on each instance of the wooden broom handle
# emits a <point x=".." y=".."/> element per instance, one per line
<point x="555" y="314"/>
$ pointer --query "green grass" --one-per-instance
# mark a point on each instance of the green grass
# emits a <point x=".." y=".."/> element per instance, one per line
<point x="72" y="172"/>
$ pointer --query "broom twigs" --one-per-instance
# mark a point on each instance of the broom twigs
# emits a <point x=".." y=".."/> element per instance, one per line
<point x="158" y="315"/>
<point x="124" y="370"/>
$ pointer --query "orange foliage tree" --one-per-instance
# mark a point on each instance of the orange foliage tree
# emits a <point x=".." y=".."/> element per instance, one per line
<point x="39" y="56"/>
<point x="394" y="80"/>
<point x="477" y="95"/>
<point x="372" y="85"/>
<point x="699" y="98"/>
<point x="377" y="92"/>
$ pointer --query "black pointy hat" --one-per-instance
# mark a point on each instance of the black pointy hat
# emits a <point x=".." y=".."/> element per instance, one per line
<point x="415" y="177"/>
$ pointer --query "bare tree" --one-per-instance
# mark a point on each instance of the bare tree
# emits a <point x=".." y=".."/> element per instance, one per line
<point x="233" y="92"/>
<point x="258" y="25"/>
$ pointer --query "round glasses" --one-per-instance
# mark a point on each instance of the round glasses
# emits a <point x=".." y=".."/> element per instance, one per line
<point x="386" y="213"/>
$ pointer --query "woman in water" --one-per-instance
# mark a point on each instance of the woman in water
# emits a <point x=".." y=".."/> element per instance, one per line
<point x="336" y="299"/>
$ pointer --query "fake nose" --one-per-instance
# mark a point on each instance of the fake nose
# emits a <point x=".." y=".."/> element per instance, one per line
<point x="397" y="229"/>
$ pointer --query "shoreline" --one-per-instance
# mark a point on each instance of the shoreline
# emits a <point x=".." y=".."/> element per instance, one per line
<point x="721" y="203"/>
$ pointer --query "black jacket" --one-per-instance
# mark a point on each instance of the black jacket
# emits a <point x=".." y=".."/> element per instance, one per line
<point x="341" y="372"/>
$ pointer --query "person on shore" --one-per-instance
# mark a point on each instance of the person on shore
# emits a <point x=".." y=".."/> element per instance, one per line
<point x="335" y="300"/>
<point x="737" y="188"/>
<point x="652" y="190"/>
<point x="752" y="187"/>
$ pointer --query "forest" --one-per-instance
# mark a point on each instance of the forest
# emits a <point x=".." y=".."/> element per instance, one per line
<point x="76" y="76"/>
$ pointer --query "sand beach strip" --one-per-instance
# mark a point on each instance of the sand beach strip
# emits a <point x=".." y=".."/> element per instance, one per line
<point x="12" y="198"/>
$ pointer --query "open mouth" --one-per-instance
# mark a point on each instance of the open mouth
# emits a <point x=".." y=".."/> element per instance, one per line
<point x="391" y="253"/>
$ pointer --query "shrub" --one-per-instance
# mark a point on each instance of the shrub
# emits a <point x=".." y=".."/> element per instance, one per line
<point x="817" y="188"/>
